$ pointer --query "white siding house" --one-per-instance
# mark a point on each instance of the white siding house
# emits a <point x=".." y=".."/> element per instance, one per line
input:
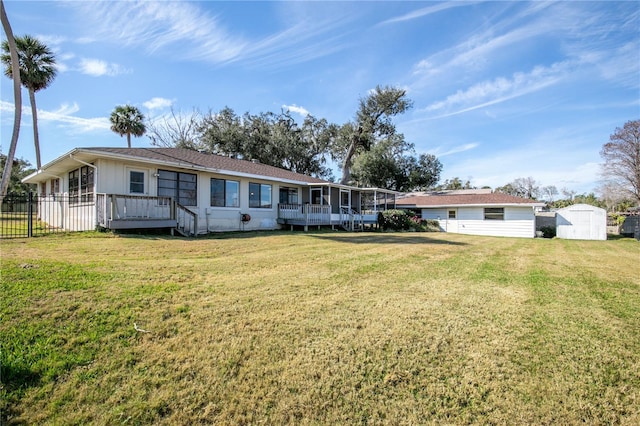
<point x="193" y="192"/>
<point x="476" y="212"/>
<point x="581" y="222"/>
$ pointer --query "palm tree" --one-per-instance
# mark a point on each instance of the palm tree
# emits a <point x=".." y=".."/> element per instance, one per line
<point x="37" y="71"/>
<point x="13" y="53"/>
<point x="127" y="120"/>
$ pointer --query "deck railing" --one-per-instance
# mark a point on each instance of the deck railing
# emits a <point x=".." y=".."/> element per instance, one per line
<point x="187" y="221"/>
<point x="309" y="214"/>
<point x="127" y="207"/>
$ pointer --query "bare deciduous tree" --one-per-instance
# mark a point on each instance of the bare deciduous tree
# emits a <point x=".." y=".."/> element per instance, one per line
<point x="177" y="129"/>
<point x="622" y="159"/>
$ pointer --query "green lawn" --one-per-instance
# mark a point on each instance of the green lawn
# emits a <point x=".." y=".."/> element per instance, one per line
<point x="319" y="328"/>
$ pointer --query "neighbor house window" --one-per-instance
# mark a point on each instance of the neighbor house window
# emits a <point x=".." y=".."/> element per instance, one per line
<point x="81" y="184"/>
<point x="225" y="193"/>
<point x="494" y="213"/>
<point x="288" y="195"/>
<point x="259" y="195"/>
<point x="136" y="182"/>
<point x="181" y="186"/>
<point x="452" y="214"/>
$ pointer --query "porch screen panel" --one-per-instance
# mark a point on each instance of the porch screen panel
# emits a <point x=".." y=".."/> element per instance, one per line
<point x="391" y="201"/>
<point x="381" y="202"/>
<point x="344" y="198"/>
<point x="368" y="202"/>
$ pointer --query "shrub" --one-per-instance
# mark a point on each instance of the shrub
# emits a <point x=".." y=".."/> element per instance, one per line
<point x="548" y="231"/>
<point x="431" y="225"/>
<point x="396" y="220"/>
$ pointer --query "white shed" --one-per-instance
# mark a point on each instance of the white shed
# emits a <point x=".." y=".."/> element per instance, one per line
<point x="581" y="222"/>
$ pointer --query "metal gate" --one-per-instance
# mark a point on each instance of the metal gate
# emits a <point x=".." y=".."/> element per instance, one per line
<point x="29" y="215"/>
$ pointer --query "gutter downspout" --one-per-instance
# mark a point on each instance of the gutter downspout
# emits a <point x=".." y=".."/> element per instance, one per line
<point x="95" y="187"/>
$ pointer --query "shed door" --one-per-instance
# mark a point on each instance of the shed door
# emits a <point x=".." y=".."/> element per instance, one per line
<point x="452" y="220"/>
<point x="582" y="224"/>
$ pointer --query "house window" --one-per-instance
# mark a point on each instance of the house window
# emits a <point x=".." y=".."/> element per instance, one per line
<point x="55" y="186"/>
<point x="494" y="213"/>
<point x="136" y="182"/>
<point x="81" y="184"/>
<point x="452" y="214"/>
<point x="259" y="195"/>
<point x="43" y="188"/>
<point x="288" y="195"/>
<point x="181" y="186"/>
<point x="225" y="193"/>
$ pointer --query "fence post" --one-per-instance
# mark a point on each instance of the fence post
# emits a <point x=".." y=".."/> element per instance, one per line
<point x="30" y="215"/>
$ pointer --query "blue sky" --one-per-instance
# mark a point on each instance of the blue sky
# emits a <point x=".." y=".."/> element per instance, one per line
<point x="501" y="90"/>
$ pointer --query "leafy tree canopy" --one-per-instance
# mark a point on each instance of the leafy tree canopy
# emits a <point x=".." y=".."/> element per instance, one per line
<point x="270" y="138"/>
<point x="369" y="145"/>
<point x="454" y="184"/>
<point x="392" y="164"/>
<point x="21" y="169"/>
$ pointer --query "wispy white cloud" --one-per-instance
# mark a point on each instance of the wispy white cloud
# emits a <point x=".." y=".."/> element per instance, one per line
<point x="98" y="68"/>
<point x="444" y="151"/>
<point x="426" y="11"/>
<point x="296" y="109"/>
<point x="63" y="116"/>
<point x="187" y="31"/>
<point x="157" y="103"/>
<point x="499" y="90"/>
<point x="174" y="27"/>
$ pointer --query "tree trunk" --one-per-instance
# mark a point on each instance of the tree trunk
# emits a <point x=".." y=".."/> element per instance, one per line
<point x="34" y="116"/>
<point x="346" y="165"/>
<point x="17" y="95"/>
<point x="129" y="140"/>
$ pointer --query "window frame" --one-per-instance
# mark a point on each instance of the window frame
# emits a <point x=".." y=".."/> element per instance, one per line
<point x="179" y="187"/>
<point x="225" y="193"/>
<point x="258" y="202"/>
<point x="291" y="194"/>
<point x="55" y="185"/>
<point x="494" y="213"/>
<point x="81" y="185"/>
<point x="452" y="214"/>
<point x="143" y="183"/>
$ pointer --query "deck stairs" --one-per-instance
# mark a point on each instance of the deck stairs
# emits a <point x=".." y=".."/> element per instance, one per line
<point x="186" y="221"/>
<point x="351" y="220"/>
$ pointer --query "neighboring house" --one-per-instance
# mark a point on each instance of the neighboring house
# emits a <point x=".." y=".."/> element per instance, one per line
<point x="194" y="192"/>
<point x="631" y="225"/>
<point x="476" y="212"/>
<point x="581" y="222"/>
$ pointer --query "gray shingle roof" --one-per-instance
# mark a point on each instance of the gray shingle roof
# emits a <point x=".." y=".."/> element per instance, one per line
<point x="187" y="157"/>
<point x="494" y="198"/>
